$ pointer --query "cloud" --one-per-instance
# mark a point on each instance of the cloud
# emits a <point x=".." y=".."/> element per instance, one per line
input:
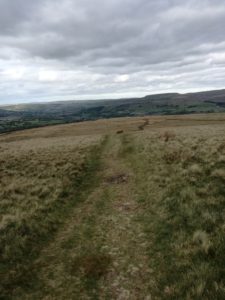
<point x="47" y="75"/>
<point x="122" y="78"/>
<point x="14" y="73"/>
<point x="60" y="49"/>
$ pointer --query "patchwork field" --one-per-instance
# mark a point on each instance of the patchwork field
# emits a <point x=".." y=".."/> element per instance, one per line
<point x="128" y="208"/>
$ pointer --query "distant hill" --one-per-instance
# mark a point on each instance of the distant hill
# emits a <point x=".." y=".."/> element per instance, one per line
<point x="21" y="116"/>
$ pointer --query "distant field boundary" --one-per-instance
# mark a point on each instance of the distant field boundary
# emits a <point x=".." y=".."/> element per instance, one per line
<point x="181" y="118"/>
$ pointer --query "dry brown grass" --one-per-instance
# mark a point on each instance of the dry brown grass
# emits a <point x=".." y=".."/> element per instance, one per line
<point x="180" y="183"/>
<point x="33" y="177"/>
<point x="40" y="179"/>
<point x="92" y="129"/>
<point x="166" y="180"/>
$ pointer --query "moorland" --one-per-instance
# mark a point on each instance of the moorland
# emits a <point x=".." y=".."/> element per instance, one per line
<point x="123" y="208"/>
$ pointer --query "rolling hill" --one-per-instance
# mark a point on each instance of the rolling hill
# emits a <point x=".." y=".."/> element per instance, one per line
<point x="24" y="116"/>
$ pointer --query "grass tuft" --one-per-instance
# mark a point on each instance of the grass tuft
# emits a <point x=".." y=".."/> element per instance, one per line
<point x="29" y="224"/>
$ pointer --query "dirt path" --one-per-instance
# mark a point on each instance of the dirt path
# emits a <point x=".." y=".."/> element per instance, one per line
<point x="129" y="276"/>
<point x="100" y="253"/>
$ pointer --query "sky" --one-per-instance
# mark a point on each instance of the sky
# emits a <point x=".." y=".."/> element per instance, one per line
<point x="100" y="49"/>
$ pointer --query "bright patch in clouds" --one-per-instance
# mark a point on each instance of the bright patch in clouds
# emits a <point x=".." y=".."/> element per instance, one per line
<point x="14" y="73"/>
<point x="122" y="78"/>
<point x="48" y="75"/>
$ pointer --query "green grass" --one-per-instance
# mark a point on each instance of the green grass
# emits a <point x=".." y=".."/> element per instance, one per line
<point x="92" y="263"/>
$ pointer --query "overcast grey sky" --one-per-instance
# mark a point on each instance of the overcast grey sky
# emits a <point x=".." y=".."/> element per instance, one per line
<point x="86" y="49"/>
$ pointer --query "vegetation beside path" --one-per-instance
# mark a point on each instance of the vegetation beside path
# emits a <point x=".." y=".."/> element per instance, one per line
<point x="70" y="178"/>
<point x="180" y="186"/>
<point x="138" y="216"/>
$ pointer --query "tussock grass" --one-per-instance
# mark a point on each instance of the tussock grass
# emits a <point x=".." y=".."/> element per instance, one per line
<point x="92" y="266"/>
<point x="180" y="184"/>
<point x="38" y="188"/>
<point x="127" y="145"/>
<point x="168" y="135"/>
<point x="152" y="223"/>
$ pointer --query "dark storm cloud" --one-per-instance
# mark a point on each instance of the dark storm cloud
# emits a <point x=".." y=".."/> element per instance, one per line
<point x="110" y="46"/>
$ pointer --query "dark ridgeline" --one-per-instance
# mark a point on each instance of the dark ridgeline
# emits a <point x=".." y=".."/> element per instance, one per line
<point x="22" y="116"/>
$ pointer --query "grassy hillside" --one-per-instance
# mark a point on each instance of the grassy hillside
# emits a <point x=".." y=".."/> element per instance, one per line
<point x="127" y="208"/>
<point x="36" y="115"/>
